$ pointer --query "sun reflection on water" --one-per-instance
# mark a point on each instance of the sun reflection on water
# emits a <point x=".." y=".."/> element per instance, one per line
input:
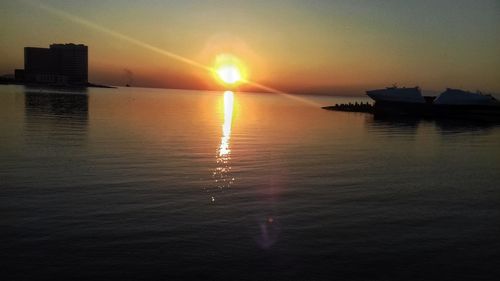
<point x="221" y="174"/>
<point x="226" y="127"/>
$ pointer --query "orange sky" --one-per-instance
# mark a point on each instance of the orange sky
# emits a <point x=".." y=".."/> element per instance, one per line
<point x="298" y="46"/>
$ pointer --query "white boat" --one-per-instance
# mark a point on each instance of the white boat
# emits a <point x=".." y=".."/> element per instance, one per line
<point x="452" y="103"/>
<point x="460" y="97"/>
<point x="397" y="94"/>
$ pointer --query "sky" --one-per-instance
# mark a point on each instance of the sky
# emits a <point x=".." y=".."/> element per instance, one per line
<point x="297" y="46"/>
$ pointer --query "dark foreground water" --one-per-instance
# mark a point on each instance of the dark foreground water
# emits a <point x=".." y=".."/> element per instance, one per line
<point x="139" y="184"/>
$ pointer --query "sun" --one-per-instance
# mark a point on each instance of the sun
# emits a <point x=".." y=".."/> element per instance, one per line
<point x="229" y="70"/>
<point x="229" y="74"/>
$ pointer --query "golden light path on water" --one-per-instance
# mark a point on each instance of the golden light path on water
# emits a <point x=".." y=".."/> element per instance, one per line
<point x="221" y="174"/>
<point x="84" y="22"/>
<point x="226" y="127"/>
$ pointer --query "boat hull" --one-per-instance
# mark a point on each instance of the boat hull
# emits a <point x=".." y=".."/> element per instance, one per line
<point x="426" y="110"/>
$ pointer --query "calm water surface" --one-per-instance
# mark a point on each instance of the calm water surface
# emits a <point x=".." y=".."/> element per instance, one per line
<point x="174" y="185"/>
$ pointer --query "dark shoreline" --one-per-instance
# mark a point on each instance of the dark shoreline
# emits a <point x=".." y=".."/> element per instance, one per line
<point x="40" y="85"/>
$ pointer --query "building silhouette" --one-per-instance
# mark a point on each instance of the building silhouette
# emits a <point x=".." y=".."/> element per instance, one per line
<point x="61" y="64"/>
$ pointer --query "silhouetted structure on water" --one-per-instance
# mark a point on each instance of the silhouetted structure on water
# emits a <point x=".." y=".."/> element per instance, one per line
<point x="351" y="107"/>
<point x="452" y="103"/>
<point x="61" y="64"/>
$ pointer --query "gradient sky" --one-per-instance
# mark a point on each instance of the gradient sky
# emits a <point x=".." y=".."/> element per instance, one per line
<point x="292" y="45"/>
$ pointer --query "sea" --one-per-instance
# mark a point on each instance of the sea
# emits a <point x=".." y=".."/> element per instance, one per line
<point x="156" y="184"/>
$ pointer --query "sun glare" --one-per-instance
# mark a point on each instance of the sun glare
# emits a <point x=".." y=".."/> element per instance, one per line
<point x="229" y="74"/>
<point x="229" y="70"/>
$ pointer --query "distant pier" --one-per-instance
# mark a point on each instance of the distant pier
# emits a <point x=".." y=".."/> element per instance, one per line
<point x="351" y="107"/>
